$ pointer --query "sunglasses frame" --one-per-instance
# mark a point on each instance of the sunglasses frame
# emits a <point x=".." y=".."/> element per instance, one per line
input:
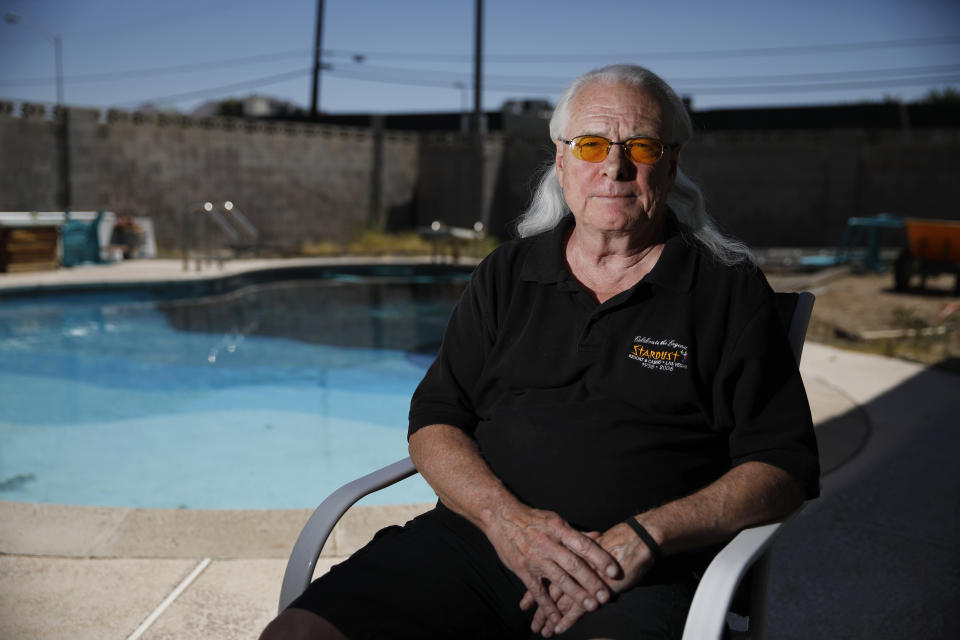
<point x="573" y="144"/>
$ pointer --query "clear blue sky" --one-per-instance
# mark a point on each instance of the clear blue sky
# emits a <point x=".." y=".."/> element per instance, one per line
<point x="417" y="55"/>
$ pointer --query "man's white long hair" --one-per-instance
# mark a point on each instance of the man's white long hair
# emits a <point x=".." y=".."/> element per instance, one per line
<point x="548" y="206"/>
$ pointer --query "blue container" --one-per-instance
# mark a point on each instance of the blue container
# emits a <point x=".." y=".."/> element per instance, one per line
<point x="79" y="241"/>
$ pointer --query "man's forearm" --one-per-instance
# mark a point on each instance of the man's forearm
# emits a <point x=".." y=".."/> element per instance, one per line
<point x="748" y="494"/>
<point x="450" y="462"/>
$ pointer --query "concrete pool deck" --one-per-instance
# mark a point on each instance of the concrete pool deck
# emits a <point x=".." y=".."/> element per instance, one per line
<point x="116" y="573"/>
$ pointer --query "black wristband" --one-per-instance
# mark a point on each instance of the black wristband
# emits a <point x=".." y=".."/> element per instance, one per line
<point x="647" y="539"/>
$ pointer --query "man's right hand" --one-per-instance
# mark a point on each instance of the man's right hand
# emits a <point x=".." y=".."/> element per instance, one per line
<point x="552" y="559"/>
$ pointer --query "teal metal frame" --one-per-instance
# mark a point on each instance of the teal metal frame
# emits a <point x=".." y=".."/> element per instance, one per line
<point x="866" y="232"/>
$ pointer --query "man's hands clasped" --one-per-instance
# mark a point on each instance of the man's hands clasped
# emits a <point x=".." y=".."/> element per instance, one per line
<point x="567" y="572"/>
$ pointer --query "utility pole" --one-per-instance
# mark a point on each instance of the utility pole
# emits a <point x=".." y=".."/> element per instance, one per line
<point x="478" y="70"/>
<point x="318" y="38"/>
<point x="58" y="54"/>
<point x="479" y="125"/>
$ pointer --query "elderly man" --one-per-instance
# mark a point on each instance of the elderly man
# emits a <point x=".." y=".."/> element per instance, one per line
<point x="614" y="397"/>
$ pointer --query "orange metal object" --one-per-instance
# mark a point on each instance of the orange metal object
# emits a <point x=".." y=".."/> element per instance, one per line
<point x="936" y="240"/>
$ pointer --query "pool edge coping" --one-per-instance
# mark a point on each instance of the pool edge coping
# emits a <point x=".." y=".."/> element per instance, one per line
<point x="160" y="271"/>
<point x="68" y="531"/>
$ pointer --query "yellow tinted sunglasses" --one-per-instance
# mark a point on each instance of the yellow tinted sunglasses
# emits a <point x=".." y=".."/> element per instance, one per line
<point x="642" y="149"/>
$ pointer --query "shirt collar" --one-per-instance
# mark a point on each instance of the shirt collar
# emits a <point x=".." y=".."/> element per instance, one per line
<point x="674" y="270"/>
<point x="545" y="261"/>
<point x="678" y="262"/>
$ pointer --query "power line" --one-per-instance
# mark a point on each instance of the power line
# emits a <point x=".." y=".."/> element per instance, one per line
<point x="792" y="85"/>
<point x="213" y="91"/>
<point x="662" y="55"/>
<point x="827" y="75"/>
<point x="827" y="81"/>
<point x="359" y="56"/>
<point x="545" y="89"/>
<point x="888" y="77"/>
<point x="449" y="77"/>
<point x="935" y="80"/>
<point x="827" y="86"/>
<point x="158" y="71"/>
<point x="394" y="79"/>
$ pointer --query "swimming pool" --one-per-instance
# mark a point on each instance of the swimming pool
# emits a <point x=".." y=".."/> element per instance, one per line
<point x="265" y="392"/>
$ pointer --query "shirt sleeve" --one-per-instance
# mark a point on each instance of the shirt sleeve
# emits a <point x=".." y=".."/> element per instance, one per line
<point x="444" y="394"/>
<point x="768" y="403"/>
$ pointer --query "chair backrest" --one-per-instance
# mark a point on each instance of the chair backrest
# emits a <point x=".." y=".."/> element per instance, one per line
<point x="795" y="310"/>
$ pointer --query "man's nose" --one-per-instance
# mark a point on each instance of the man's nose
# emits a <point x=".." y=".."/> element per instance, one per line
<point x="618" y="165"/>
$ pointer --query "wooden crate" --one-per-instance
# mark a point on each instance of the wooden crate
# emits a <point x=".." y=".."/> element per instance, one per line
<point x="29" y="248"/>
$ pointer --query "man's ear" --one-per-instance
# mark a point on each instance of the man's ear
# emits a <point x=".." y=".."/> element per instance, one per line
<point x="674" y="163"/>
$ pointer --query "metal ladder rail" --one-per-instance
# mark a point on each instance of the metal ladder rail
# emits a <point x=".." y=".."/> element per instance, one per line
<point x="209" y="211"/>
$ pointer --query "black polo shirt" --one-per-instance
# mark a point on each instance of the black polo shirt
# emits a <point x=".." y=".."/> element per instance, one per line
<point x="601" y="411"/>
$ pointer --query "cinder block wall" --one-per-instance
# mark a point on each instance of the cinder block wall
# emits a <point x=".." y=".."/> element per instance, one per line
<point x="295" y="182"/>
<point x="798" y="188"/>
<point x="29" y="158"/>
<point x="300" y="182"/>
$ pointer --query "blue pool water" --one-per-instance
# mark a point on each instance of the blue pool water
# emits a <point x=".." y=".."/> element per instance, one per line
<point x="269" y="395"/>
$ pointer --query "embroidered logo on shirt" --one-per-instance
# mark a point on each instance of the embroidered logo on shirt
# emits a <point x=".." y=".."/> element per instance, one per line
<point x="659" y="354"/>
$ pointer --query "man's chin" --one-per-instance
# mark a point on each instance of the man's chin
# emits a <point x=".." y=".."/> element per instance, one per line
<point x="615" y="220"/>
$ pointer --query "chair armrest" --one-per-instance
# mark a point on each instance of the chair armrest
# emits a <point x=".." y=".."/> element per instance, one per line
<point x="303" y="558"/>
<point x="711" y="602"/>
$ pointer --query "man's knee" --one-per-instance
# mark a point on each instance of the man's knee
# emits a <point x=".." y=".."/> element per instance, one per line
<point x="297" y="624"/>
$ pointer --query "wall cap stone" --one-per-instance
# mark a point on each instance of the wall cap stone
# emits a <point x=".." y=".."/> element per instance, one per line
<point x="32" y="110"/>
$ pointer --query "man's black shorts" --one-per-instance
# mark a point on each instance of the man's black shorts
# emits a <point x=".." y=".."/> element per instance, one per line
<point x="439" y="577"/>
